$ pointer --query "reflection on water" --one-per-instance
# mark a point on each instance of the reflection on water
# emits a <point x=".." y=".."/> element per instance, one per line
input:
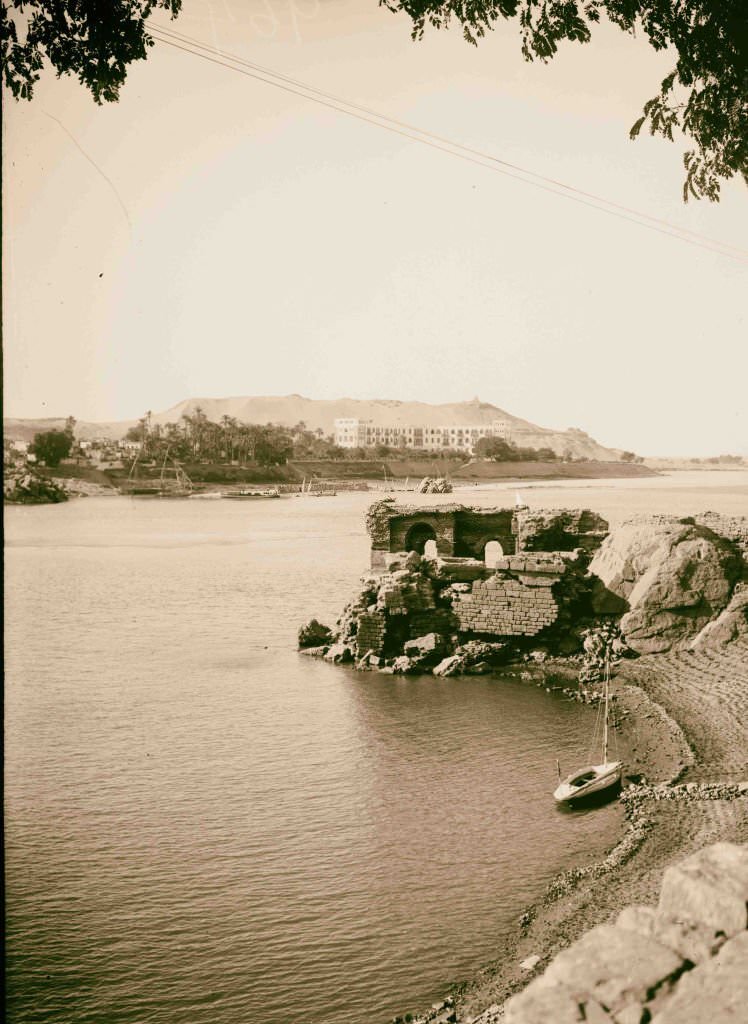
<point x="203" y="825"/>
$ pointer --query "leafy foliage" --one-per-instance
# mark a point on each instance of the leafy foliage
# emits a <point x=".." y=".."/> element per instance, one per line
<point x="499" y="450"/>
<point x="198" y="439"/>
<point x="92" y="40"/>
<point x="50" y="446"/>
<point x="705" y="96"/>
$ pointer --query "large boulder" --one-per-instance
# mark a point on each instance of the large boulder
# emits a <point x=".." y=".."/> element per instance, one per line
<point x="731" y="624"/>
<point x="425" y="650"/>
<point x="676" y="577"/>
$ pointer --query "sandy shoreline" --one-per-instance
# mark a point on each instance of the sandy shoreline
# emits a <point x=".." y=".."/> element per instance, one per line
<point x="683" y="719"/>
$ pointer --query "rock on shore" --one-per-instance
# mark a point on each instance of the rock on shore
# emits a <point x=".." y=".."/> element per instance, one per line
<point x="26" y="486"/>
<point x="683" y="962"/>
<point x="676" y="576"/>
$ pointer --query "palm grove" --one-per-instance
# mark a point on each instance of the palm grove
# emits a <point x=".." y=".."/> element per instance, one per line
<point x="197" y="439"/>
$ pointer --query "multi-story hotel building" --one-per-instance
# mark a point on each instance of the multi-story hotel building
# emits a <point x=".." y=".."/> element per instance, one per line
<point x="355" y="433"/>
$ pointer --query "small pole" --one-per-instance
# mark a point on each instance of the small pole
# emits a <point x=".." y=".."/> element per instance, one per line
<point x="607" y="686"/>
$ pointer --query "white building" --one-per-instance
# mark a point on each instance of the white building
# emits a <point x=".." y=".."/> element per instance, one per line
<point x="354" y="433"/>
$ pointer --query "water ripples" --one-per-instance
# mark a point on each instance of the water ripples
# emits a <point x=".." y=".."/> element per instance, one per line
<point x="203" y="826"/>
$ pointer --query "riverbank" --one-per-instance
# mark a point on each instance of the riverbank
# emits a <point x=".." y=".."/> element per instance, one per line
<point x="378" y="472"/>
<point x="684" y="719"/>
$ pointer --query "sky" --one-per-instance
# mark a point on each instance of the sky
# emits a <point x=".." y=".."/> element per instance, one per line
<point x="211" y="235"/>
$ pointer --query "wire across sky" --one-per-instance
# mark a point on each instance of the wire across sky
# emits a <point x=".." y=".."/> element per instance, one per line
<point x="249" y="69"/>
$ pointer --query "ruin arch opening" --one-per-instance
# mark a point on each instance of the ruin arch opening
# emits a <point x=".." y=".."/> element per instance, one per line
<point x="418" y="536"/>
<point x="492" y="552"/>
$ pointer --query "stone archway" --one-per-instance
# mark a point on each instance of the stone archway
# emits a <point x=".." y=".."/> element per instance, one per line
<point x="418" y="536"/>
<point x="492" y="552"/>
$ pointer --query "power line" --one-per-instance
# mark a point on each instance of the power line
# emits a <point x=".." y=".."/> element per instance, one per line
<point x="269" y="77"/>
<point x="439" y="138"/>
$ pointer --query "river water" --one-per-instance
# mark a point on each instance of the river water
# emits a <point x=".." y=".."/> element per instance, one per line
<point x="203" y="826"/>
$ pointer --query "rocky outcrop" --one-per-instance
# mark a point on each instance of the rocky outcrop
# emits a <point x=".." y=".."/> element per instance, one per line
<point x="26" y="486"/>
<point x="730" y="624"/>
<point x="671" y="582"/>
<point x="458" y="616"/>
<point x="675" y="575"/>
<point x="434" y="485"/>
<point x="314" y="634"/>
<point x="683" y="962"/>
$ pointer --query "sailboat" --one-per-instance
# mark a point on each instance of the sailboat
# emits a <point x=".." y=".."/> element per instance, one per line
<point x="595" y="778"/>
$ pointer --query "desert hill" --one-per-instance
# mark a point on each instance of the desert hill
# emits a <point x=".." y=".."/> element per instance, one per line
<point x="321" y="413"/>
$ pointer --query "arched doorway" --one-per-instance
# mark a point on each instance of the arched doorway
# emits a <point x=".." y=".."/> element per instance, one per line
<point x="492" y="552"/>
<point x="418" y="536"/>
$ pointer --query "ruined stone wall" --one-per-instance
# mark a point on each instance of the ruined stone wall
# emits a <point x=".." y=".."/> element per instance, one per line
<point x="474" y="528"/>
<point x="464" y="530"/>
<point x="372" y="628"/>
<point x="442" y="524"/>
<point x="517" y="600"/>
<point x="561" y="529"/>
<point x="732" y="528"/>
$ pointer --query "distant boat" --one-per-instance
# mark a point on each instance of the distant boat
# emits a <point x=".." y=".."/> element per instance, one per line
<point x="321" y="489"/>
<point x="172" y="483"/>
<point x="262" y="492"/>
<point x="594" y="778"/>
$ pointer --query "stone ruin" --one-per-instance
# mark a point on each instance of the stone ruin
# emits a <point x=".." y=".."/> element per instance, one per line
<point x="456" y="588"/>
<point x="463" y="531"/>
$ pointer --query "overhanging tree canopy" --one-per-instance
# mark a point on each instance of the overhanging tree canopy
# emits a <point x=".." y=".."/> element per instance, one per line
<point x="91" y="39"/>
<point x="705" y="95"/>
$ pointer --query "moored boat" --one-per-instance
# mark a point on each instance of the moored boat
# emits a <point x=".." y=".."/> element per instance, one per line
<point x="594" y="778"/>
<point x="263" y="492"/>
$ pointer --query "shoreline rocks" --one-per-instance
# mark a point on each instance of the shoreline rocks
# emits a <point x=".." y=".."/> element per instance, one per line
<point x="26" y="486"/>
<point x="676" y="962"/>
<point x="676" y="576"/>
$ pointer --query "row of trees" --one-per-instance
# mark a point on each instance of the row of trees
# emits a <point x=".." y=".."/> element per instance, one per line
<point x="197" y="439"/>
<point x="499" y="450"/>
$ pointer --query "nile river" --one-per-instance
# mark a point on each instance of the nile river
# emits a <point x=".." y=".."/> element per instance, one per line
<point x="203" y="826"/>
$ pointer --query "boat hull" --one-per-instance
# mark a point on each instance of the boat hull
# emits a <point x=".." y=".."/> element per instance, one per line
<point x="250" y="495"/>
<point x="590" y="781"/>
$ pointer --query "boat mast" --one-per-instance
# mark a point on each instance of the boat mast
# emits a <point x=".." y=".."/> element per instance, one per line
<point x="605" y="726"/>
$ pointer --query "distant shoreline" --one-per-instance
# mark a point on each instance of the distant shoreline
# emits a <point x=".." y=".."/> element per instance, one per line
<point x="205" y="476"/>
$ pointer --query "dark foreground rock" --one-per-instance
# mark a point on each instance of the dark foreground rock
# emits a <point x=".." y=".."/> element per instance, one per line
<point x="639" y="969"/>
<point x="27" y="486"/>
